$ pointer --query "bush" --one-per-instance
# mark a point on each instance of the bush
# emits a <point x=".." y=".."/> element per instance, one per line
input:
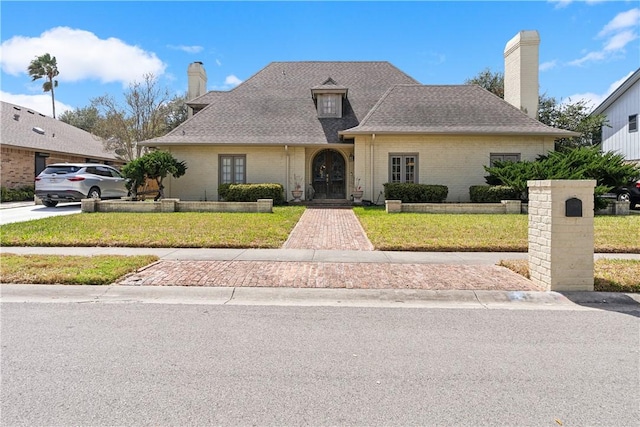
<point x="415" y="193"/>
<point x="17" y="194"/>
<point x="492" y="193"/>
<point x="252" y="192"/>
<point x="223" y="189"/>
<point x="609" y="169"/>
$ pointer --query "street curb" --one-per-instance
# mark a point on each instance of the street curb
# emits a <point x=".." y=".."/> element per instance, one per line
<point x="416" y="298"/>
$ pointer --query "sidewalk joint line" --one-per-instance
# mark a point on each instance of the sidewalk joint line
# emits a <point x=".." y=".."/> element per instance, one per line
<point x="233" y="292"/>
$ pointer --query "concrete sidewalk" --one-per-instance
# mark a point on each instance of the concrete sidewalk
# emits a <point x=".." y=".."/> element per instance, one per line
<point x="294" y="255"/>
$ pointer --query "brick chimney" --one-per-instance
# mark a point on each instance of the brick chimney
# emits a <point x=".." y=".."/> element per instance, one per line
<point x="197" y="82"/>
<point x="521" y="72"/>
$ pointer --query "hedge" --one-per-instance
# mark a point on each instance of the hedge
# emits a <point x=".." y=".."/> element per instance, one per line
<point x="251" y="192"/>
<point x="492" y="193"/>
<point x="17" y="194"/>
<point x="415" y="193"/>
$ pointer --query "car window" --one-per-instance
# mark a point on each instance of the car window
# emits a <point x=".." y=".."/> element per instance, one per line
<point x="115" y="173"/>
<point x="92" y="170"/>
<point x="102" y="171"/>
<point x="62" y="169"/>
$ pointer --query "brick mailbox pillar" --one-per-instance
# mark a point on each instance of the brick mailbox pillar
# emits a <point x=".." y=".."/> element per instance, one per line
<point x="561" y="234"/>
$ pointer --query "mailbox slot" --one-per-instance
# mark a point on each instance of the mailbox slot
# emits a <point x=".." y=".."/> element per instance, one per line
<point x="573" y="207"/>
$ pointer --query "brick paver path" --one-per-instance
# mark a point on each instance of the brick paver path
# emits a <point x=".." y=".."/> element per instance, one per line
<point x="337" y="229"/>
<point x="332" y="229"/>
<point x="329" y="275"/>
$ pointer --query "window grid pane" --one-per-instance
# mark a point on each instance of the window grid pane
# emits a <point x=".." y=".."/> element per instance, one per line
<point x="395" y="168"/>
<point x="410" y="168"/>
<point x="239" y="170"/>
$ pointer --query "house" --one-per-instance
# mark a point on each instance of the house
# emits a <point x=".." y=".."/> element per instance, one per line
<point x="334" y="126"/>
<point x="621" y="109"/>
<point x="31" y="140"/>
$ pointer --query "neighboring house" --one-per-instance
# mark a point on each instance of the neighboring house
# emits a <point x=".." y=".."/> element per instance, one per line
<point x="30" y="141"/>
<point x="333" y="126"/>
<point x="621" y="109"/>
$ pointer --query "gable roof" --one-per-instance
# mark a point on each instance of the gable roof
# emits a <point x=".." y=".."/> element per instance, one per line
<point x="457" y="109"/>
<point x="25" y="128"/>
<point x="626" y="85"/>
<point x="275" y="106"/>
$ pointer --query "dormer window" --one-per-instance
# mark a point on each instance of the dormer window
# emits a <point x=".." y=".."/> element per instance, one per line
<point x="328" y="99"/>
<point x="329" y="105"/>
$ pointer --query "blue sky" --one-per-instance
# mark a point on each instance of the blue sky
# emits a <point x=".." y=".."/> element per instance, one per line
<point x="587" y="47"/>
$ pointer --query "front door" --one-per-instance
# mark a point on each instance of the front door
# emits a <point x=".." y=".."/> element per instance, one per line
<point x="329" y="175"/>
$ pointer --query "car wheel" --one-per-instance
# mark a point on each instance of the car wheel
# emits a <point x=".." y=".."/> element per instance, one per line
<point x="94" y="193"/>
<point x="624" y="197"/>
<point x="50" y="203"/>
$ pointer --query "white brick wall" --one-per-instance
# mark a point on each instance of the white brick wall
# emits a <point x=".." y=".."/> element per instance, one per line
<point x="561" y="247"/>
<point x="453" y="160"/>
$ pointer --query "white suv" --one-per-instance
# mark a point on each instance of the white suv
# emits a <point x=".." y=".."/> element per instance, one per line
<point x="72" y="182"/>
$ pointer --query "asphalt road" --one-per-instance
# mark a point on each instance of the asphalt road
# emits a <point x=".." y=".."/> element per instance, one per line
<point x="171" y="364"/>
<point x="30" y="212"/>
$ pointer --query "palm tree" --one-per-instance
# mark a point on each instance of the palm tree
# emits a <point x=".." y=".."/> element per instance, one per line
<point x="45" y="66"/>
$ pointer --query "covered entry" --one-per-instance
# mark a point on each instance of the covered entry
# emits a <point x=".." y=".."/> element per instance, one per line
<point x="328" y="169"/>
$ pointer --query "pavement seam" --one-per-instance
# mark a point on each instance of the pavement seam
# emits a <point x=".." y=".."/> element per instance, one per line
<point x="475" y="294"/>
<point x="233" y="292"/>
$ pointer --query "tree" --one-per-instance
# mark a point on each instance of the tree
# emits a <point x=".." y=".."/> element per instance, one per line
<point x="156" y="165"/>
<point x="486" y="79"/>
<point x="86" y="118"/>
<point x="148" y="112"/>
<point x="45" y="66"/>
<point x="575" y="117"/>
<point x="609" y="169"/>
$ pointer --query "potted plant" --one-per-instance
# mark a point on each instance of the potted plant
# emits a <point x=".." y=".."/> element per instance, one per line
<point x="297" y="191"/>
<point x="358" y="192"/>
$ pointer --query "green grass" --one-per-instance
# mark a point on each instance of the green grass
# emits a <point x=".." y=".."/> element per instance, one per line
<point x="610" y="275"/>
<point x="481" y="232"/>
<point x="178" y="230"/>
<point x="69" y="270"/>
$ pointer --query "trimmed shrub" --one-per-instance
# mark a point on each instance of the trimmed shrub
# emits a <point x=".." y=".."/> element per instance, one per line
<point x="17" y="194"/>
<point x="415" y="193"/>
<point x="253" y="192"/>
<point x="222" y="191"/>
<point x="492" y="193"/>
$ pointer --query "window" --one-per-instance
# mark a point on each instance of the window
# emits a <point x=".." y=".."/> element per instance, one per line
<point x="403" y="168"/>
<point x="232" y="169"/>
<point x="503" y="157"/>
<point x="329" y="105"/>
<point x="633" y="123"/>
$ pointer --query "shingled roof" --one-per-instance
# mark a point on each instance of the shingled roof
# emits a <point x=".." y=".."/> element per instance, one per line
<point x="275" y="106"/>
<point x="26" y="128"/>
<point x="459" y="109"/>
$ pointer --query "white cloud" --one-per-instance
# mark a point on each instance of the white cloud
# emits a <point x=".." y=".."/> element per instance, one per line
<point x="549" y="65"/>
<point x="619" y="32"/>
<point x="622" y="20"/>
<point x="594" y="99"/>
<point x="561" y="4"/>
<point x="81" y="55"/>
<point x="620" y="40"/>
<point x="188" y="49"/>
<point x="38" y="103"/>
<point x="232" y="80"/>
<point x="218" y="63"/>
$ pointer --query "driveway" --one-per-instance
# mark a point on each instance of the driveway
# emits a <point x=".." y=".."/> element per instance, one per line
<point x="27" y="211"/>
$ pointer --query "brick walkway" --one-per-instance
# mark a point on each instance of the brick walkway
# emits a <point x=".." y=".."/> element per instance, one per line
<point x="329" y="229"/>
<point x="329" y="275"/>
<point x="335" y="229"/>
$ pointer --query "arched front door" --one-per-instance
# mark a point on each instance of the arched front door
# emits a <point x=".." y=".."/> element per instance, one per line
<point x="329" y="175"/>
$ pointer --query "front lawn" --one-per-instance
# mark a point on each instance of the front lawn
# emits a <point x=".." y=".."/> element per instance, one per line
<point x="69" y="270"/>
<point x="480" y="232"/>
<point x="610" y="275"/>
<point x="154" y="230"/>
